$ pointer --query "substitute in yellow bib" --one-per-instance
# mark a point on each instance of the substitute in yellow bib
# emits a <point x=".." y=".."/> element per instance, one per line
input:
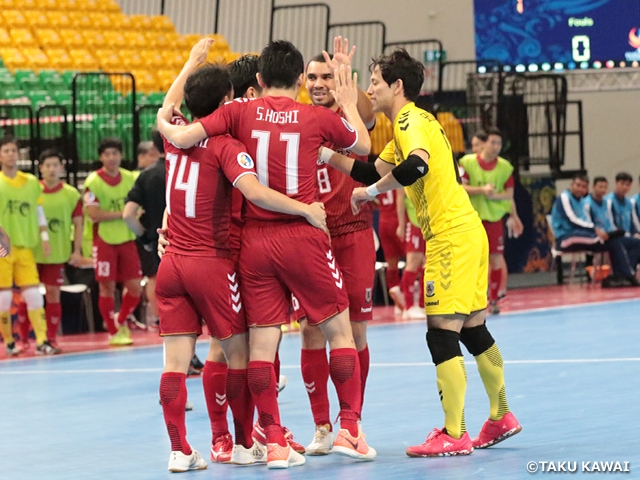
<point x="22" y="216"/>
<point x="420" y="159"/>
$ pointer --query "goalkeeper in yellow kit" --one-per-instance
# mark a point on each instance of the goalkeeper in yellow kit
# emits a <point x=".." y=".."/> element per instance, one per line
<point x="419" y="158"/>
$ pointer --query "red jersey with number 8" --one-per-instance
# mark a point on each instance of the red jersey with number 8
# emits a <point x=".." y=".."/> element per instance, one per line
<point x="283" y="136"/>
<point x="200" y="180"/>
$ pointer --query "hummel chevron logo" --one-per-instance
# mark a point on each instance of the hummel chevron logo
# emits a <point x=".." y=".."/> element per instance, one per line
<point x="221" y="399"/>
<point x="339" y="284"/>
<point x="232" y="278"/>
<point x="311" y="387"/>
<point x="329" y="255"/>
<point x="332" y="264"/>
<point x="335" y="274"/>
<point x="235" y="298"/>
<point x="236" y="308"/>
<point x="234" y="287"/>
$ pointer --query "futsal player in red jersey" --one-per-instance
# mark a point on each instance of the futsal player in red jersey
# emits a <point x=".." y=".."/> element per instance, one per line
<point x="353" y="247"/>
<point x="392" y="246"/>
<point x="199" y="184"/>
<point x="281" y="255"/>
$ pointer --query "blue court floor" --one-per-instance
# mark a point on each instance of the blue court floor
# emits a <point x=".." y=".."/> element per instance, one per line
<point x="572" y="380"/>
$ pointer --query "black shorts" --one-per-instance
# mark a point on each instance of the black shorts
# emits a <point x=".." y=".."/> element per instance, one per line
<point x="149" y="259"/>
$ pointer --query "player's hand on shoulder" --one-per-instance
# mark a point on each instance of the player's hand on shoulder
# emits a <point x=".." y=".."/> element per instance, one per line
<point x="358" y="198"/>
<point x="200" y="51"/>
<point x="317" y="216"/>
<point x="164" y="115"/>
<point x="162" y="241"/>
<point x="346" y="92"/>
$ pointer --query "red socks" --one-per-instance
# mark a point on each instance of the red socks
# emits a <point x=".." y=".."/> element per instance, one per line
<point x="406" y="285"/>
<point x="345" y="374"/>
<point x="363" y="358"/>
<point x="393" y="277"/>
<point x="315" y="374"/>
<point x="241" y="405"/>
<point x="495" y="277"/>
<point x="129" y="304"/>
<point x="262" y="384"/>
<point x="214" y="382"/>
<point x="23" y="322"/>
<point x="276" y="370"/>
<point x="106" y="306"/>
<point x="173" y="396"/>
<point x="53" y="312"/>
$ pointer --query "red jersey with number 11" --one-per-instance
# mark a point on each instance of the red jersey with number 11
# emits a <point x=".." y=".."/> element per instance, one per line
<point x="283" y="136"/>
<point x="200" y="180"/>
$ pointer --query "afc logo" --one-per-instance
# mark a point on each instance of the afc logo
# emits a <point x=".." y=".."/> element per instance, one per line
<point x="15" y="207"/>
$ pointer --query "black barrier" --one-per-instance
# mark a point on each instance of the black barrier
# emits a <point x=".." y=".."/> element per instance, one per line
<point x="52" y="131"/>
<point x="305" y="26"/>
<point x="369" y="37"/>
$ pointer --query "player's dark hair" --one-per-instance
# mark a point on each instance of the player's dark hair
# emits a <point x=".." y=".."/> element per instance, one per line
<point x="399" y="65"/>
<point x="280" y="64"/>
<point x="318" y="59"/>
<point x="50" y="153"/>
<point x="109" y="142"/>
<point x="494" y="131"/>
<point x="7" y="139"/>
<point x="206" y="88"/>
<point x="600" y="179"/>
<point x="243" y="74"/>
<point x="580" y="176"/>
<point x="624" y="177"/>
<point x="481" y="135"/>
<point x="156" y="138"/>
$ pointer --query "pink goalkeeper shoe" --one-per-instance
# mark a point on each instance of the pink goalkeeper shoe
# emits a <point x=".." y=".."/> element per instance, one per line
<point x="495" y="431"/>
<point x="439" y="444"/>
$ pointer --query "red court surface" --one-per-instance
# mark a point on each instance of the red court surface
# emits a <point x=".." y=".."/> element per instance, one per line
<point x="521" y="300"/>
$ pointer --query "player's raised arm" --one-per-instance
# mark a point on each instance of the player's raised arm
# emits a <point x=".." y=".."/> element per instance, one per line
<point x="197" y="56"/>
<point x="269" y="199"/>
<point x="346" y="95"/>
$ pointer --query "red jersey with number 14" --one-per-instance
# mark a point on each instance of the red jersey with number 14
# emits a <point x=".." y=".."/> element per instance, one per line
<point x="200" y="180"/>
<point x="283" y="136"/>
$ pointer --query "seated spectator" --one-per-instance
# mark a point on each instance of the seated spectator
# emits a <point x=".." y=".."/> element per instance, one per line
<point x="574" y="231"/>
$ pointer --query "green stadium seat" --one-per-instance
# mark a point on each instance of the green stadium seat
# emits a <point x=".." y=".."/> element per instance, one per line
<point x="141" y="98"/>
<point x="8" y="83"/>
<point x="156" y="98"/>
<point x="5" y="73"/>
<point x="30" y="83"/>
<point x="14" y="93"/>
<point x="53" y="84"/>
<point x="67" y="77"/>
<point x="87" y="142"/>
<point x="39" y="97"/>
<point x="50" y="75"/>
<point x="22" y="75"/>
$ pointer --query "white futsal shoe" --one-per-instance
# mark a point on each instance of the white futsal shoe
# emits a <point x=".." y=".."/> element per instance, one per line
<point x="414" y="313"/>
<point x="179" y="462"/>
<point x="322" y="441"/>
<point x="257" y="454"/>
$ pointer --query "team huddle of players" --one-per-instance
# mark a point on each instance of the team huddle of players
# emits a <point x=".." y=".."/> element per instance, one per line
<point x="281" y="249"/>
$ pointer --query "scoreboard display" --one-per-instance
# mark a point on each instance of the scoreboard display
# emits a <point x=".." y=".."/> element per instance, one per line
<point x="533" y="35"/>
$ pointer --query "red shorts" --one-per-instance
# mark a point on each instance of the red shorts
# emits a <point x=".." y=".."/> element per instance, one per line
<point x="192" y="288"/>
<point x="51" y="274"/>
<point x="391" y="245"/>
<point x="495" y="234"/>
<point x="283" y="258"/>
<point x="356" y="256"/>
<point x="413" y="240"/>
<point x="115" y="262"/>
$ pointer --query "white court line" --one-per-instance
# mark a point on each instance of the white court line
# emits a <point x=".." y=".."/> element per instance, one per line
<point x="290" y="367"/>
